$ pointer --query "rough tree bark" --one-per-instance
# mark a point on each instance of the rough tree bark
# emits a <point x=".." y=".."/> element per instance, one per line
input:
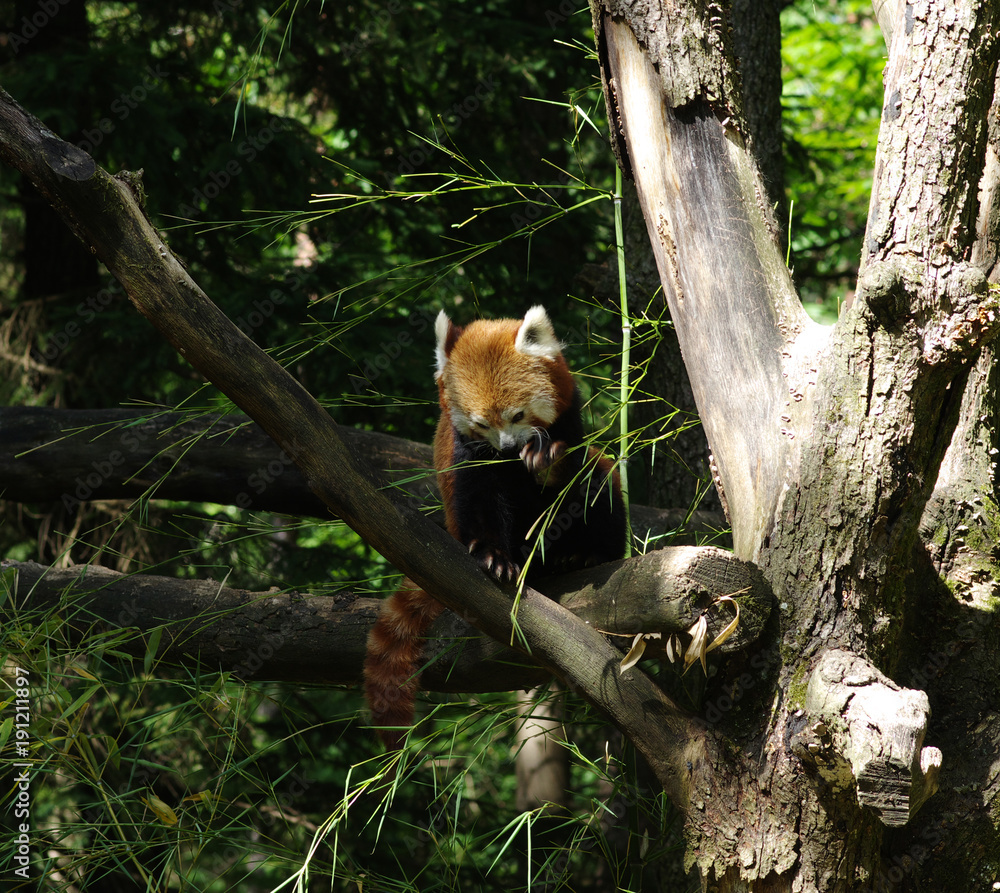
<point x="827" y="442"/>
<point x="951" y="619"/>
<point x="676" y="465"/>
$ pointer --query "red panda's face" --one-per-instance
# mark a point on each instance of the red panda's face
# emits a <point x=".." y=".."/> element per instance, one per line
<point x="506" y="428"/>
<point x="502" y="380"/>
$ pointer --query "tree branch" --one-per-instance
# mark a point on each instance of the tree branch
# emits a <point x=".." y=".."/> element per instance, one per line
<point x="862" y="729"/>
<point x="301" y="637"/>
<point x="74" y="455"/>
<point x="889" y="386"/>
<point x="826" y="441"/>
<point x="730" y="294"/>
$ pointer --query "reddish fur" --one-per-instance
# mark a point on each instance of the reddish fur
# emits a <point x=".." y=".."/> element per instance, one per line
<point x="442" y="459"/>
<point x="489" y="372"/>
<point x="485" y="372"/>
<point x="395" y="644"/>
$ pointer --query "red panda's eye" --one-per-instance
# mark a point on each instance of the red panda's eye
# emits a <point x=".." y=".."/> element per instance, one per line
<point x="517" y="417"/>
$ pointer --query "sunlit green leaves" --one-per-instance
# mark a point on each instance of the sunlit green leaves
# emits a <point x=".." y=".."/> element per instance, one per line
<point x="833" y="54"/>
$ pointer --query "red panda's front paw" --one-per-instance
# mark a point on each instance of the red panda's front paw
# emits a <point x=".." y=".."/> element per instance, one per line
<point x="539" y="456"/>
<point x="495" y="562"/>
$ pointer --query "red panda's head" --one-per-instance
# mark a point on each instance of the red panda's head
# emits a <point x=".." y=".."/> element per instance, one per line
<point x="500" y="380"/>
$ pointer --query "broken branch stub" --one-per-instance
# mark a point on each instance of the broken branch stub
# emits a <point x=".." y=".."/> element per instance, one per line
<point x="862" y="728"/>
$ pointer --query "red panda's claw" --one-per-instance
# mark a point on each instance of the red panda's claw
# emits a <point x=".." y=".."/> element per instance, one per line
<point x="539" y="457"/>
<point x="497" y="563"/>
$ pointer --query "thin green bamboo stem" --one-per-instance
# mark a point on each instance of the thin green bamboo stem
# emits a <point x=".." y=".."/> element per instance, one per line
<point x="626" y="351"/>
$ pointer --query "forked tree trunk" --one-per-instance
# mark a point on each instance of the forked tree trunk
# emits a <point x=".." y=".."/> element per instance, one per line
<point x="827" y="442"/>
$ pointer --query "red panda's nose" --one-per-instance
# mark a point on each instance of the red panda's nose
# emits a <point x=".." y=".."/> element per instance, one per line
<point x="507" y="441"/>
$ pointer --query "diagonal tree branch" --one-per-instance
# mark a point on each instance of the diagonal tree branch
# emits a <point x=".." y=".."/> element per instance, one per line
<point x="104" y="212"/>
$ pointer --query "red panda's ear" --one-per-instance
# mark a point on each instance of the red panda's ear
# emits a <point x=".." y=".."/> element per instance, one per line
<point x="447" y="334"/>
<point x="536" y="337"/>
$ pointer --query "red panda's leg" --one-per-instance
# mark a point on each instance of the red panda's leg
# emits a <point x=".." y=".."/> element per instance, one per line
<point x="395" y="646"/>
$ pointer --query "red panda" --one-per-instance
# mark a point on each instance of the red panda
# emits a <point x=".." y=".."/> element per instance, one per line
<point x="519" y="487"/>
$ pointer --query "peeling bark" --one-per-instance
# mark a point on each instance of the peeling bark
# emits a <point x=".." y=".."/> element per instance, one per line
<point x="865" y="732"/>
<point x="714" y="248"/>
<point x="827" y="444"/>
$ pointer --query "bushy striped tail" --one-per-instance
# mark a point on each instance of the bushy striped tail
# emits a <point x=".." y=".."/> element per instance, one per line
<point x="395" y="648"/>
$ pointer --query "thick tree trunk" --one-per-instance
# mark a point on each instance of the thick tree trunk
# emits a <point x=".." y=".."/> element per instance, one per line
<point x="676" y="462"/>
<point x="952" y="624"/>
<point x="757" y="47"/>
<point x="950" y="651"/>
<point x="826" y="442"/>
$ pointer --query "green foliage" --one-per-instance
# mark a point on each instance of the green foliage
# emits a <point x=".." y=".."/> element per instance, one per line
<point x="437" y="183"/>
<point x="170" y="777"/>
<point x="833" y="55"/>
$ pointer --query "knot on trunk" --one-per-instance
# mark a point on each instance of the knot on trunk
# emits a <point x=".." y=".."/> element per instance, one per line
<point x="860" y="728"/>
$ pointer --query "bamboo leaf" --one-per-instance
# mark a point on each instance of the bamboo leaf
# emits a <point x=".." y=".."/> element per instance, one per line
<point x="160" y="809"/>
<point x="696" y="649"/>
<point x="731" y="628"/>
<point x="151" y="648"/>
